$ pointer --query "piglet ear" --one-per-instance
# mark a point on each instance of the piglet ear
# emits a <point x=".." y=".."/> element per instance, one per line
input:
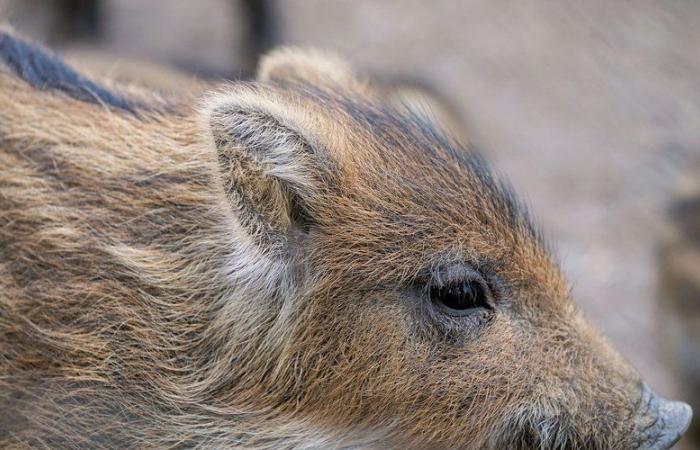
<point x="307" y="66"/>
<point x="268" y="159"/>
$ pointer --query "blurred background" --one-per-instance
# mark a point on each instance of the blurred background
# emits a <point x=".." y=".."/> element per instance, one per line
<point x="592" y="109"/>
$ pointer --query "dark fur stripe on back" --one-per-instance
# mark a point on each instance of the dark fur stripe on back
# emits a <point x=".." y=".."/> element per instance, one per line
<point x="44" y="70"/>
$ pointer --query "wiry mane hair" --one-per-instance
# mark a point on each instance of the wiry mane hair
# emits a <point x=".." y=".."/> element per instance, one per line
<point x="43" y="70"/>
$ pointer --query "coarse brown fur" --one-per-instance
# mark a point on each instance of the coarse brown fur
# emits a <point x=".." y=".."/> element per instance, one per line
<point x="249" y="271"/>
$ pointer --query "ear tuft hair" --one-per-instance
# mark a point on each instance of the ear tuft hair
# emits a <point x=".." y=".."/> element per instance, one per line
<point x="291" y="64"/>
<point x="268" y="159"/>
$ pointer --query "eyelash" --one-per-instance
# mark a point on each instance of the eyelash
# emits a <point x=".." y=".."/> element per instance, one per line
<point x="451" y="325"/>
<point x="462" y="297"/>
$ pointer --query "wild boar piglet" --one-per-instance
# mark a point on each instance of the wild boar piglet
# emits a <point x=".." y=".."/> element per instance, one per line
<point x="299" y="261"/>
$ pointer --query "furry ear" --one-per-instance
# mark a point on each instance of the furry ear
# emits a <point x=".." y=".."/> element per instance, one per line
<point x="269" y="162"/>
<point x="295" y="65"/>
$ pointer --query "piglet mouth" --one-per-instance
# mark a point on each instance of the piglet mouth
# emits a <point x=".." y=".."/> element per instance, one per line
<point x="662" y="422"/>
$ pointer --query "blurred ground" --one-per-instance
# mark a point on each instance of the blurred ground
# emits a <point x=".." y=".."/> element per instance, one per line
<point x="592" y="109"/>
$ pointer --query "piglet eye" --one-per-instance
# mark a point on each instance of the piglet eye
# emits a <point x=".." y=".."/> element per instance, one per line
<point x="462" y="297"/>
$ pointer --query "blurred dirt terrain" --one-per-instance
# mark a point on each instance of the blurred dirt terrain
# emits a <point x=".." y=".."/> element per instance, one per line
<point x="592" y="109"/>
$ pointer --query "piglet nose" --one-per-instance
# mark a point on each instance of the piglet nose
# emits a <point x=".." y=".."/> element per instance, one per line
<point x="672" y="420"/>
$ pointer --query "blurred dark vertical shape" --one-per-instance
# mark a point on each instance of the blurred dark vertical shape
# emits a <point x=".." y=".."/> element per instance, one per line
<point x="262" y="32"/>
<point x="76" y="20"/>
<point x="679" y="299"/>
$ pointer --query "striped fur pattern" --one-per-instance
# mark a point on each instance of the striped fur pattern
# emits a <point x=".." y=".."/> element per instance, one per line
<point x="249" y="270"/>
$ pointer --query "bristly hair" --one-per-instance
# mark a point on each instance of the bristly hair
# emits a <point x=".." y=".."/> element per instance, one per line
<point x="436" y="143"/>
<point x="44" y="70"/>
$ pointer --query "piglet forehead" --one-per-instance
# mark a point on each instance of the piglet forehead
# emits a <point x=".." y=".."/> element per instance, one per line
<point x="409" y="194"/>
